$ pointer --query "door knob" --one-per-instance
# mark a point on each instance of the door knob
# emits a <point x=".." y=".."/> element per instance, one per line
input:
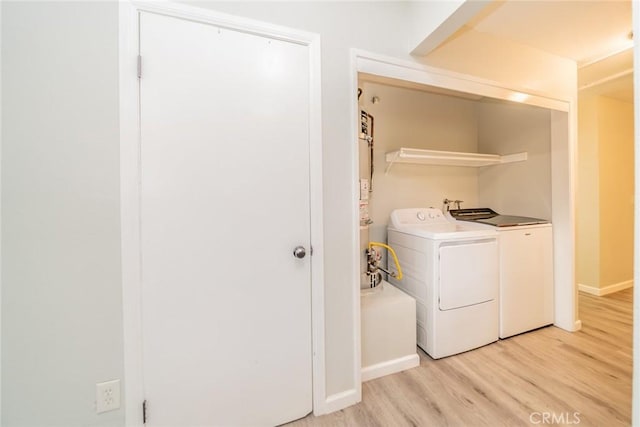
<point x="299" y="252"/>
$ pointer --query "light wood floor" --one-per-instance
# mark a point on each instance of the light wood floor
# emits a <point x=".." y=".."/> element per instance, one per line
<point x="512" y="382"/>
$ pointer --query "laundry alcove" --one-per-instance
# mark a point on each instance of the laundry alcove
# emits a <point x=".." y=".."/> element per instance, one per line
<point x="442" y="135"/>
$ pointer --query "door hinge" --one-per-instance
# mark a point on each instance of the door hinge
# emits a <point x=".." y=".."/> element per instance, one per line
<point x="139" y="66"/>
<point x="144" y="411"/>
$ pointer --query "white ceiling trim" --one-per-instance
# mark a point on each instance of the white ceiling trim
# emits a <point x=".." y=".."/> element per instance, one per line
<point x="605" y="56"/>
<point x="607" y="79"/>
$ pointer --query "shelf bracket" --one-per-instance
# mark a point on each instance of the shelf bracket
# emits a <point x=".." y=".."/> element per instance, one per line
<point x="391" y="162"/>
<point x="510" y="158"/>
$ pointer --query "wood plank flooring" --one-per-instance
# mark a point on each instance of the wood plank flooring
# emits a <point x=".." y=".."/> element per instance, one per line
<point x="575" y="378"/>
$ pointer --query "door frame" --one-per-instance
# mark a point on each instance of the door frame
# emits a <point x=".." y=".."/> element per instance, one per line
<point x="130" y="186"/>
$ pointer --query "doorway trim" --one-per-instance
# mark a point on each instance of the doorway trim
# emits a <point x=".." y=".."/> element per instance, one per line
<point x="130" y="187"/>
<point x="563" y="126"/>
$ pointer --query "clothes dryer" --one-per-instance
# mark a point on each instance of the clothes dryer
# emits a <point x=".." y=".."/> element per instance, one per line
<point x="452" y="270"/>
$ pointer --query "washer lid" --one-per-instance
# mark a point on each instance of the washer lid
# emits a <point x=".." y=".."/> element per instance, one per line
<point x="490" y="217"/>
<point x="511" y="221"/>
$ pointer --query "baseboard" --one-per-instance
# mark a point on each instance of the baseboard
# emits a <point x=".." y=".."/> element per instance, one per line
<point x="607" y="289"/>
<point x="390" y="367"/>
<point x="338" y="401"/>
<point x="577" y="325"/>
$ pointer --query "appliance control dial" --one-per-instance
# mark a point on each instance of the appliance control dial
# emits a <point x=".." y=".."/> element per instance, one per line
<point x="421" y="216"/>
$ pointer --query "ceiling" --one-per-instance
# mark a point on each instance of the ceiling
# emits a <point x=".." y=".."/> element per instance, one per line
<point x="580" y="30"/>
<point x="585" y="31"/>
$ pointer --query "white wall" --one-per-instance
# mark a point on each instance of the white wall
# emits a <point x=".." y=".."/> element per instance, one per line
<point x="61" y="289"/>
<point x="605" y="199"/>
<point x="615" y="129"/>
<point x="635" y="398"/>
<point x="417" y="119"/>
<point x="61" y="296"/>
<point x="521" y="188"/>
<point x="0" y="216"/>
<point x="588" y="194"/>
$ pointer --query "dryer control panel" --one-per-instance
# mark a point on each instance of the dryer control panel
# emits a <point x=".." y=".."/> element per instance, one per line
<point x="417" y="216"/>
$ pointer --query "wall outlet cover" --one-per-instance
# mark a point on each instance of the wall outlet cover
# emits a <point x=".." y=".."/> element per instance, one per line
<point x="107" y="396"/>
<point x="364" y="189"/>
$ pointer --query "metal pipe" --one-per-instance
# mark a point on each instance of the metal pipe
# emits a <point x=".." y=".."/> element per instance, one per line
<point x="371" y="154"/>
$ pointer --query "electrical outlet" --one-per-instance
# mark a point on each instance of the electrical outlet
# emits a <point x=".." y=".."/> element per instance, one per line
<point x="107" y="396"/>
<point x="364" y="189"/>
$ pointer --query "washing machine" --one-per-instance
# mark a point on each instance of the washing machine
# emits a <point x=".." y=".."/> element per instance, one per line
<point x="526" y="267"/>
<point x="452" y="271"/>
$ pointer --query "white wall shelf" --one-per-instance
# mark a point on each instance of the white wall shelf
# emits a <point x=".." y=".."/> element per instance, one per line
<point x="449" y="158"/>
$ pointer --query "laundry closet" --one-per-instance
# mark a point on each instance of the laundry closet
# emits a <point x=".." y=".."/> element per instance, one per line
<point x="423" y="146"/>
<point x="420" y="117"/>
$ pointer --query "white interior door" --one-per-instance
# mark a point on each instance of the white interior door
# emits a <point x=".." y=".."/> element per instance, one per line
<point x="226" y="307"/>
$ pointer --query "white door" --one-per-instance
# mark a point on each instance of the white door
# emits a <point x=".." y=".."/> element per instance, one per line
<point x="226" y="307"/>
